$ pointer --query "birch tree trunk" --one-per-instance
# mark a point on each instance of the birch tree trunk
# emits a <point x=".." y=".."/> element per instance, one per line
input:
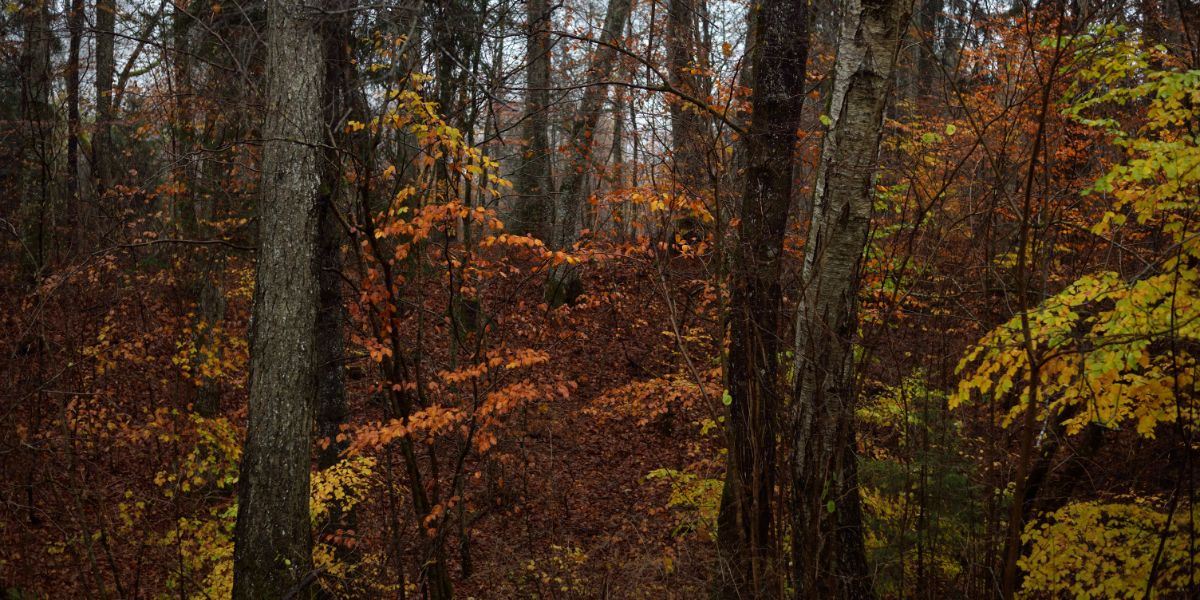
<point x="272" y="555"/>
<point x="745" y="545"/>
<point x="827" y="543"/>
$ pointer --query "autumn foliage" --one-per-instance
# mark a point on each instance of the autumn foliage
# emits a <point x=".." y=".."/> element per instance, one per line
<point x="1027" y="304"/>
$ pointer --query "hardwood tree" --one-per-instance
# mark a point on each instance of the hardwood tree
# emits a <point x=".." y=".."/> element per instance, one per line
<point x="745" y="541"/>
<point x="272" y="556"/>
<point x="685" y="59"/>
<point x="341" y="102"/>
<point x="534" y="183"/>
<point x="31" y="176"/>
<point x="102" y="145"/>
<point x="564" y="284"/>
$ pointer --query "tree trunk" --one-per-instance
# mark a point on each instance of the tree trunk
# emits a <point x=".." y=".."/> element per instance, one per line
<point x="564" y="285"/>
<point x="688" y="139"/>
<point x="745" y="543"/>
<point x="272" y="555"/>
<point x="330" y="357"/>
<point x="103" y="160"/>
<point x="1163" y="23"/>
<point x="928" y="15"/>
<point x="340" y="105"/>
<point x="827" y="544"/>
<point x="34" y="171"/>
<point x="192" y="211"/>
<point x="75" y="19"/>
<point x="331" y="406"/>
<point x="534" y="183"/>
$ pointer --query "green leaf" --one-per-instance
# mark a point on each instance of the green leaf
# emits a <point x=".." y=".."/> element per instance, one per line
<point x="726" y="399"/>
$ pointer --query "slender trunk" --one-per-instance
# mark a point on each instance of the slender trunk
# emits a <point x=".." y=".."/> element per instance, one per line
<point x="33" y="173"/>
<point x="616" y="176"/>
<point x="534" y="182"/>
<point x="192" y="211"/>
<point x="1163" y="23"/>
<point x="745" y="544"/>
<point x="75" y="30"/>
<point x="455" y="43"/>
<point x="340" y="106"/>
<point x="210" y="311"/>
<point x="272" y="555"/>
<point x="103" y="160"/>
<point x="1026" y="254"/>
<point x="208" y="266"/>
<point x="331" y="408"/>
<point x="564" y="284"/>
<point x="684" y="57"/>
<point x="582" y="126"/>
<point x="928" y="16"/>
<point x="828" y="553"/>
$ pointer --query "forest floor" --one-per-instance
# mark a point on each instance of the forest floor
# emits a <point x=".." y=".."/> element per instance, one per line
<point x="588" y="521"/>
<point x="564" y="506"/>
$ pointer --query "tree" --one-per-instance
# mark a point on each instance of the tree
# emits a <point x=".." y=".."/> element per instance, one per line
<point x="273" y="534"/>
<point x="686" y="60"/>
<point x="827" y="537"/>
<point x="1112" y="351"/>
<point x="744" y="530"/>
<point x="564" y="284"/>
<point x="32" y="179"/>
<point x="340" y="103"/>
<point x="102" y="145"/>
<point x="472" y="437"/>
<point x="534" y="184"/>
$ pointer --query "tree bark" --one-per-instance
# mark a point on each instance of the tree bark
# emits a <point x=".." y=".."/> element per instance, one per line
<point x="331" y="407"/>
<point x="102" y="146"/>
<point x="534" y="182"/>
<point x="272" y="555"/>
<point x="827" y="544"/>
<point x="688" y="139"/>
<point x="34" y="171"/>
<point x="745" y="543"/>
<point x="564" y="285"/>
<point x="340" y="105"/>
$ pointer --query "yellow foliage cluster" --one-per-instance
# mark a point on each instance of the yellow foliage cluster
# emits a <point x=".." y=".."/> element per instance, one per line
<point x="557" y="574"/>
<point x="1115" y="349"/>
<point x="341" y="486"/>
<point x="204" y="540"/>
<point x="1104" y="344"/>
<point x="1107" y="549"/>
<point x="695" y="499"/>
<point x="208" y="353"/>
